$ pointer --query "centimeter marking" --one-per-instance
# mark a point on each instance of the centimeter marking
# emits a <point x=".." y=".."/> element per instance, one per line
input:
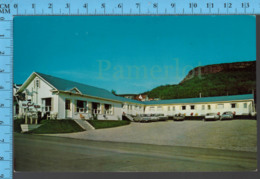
<point x="85" y="7"/>
<point x="6" y="96"/>
<point x="124" y="7"/>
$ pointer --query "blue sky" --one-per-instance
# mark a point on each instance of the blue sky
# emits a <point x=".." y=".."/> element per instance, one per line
<point x="126" y="53"/>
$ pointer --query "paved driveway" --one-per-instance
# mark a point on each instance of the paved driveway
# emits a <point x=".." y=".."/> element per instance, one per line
<point x="240" y="135"/>
<point x="55" y="154"/>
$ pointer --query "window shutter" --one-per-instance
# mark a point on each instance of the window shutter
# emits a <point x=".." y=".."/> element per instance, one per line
<point x="34" y="83"/>
<point x="237" y="105"/>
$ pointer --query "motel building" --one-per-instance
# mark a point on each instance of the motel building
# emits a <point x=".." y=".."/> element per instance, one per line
<point x="54" y="98"/>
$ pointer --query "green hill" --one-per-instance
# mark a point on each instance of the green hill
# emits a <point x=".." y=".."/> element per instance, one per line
<point x="229" y="81"/>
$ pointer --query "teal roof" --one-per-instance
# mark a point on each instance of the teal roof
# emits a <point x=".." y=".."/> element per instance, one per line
<point x="67" y="85"/>
<point x="203" y="99"/>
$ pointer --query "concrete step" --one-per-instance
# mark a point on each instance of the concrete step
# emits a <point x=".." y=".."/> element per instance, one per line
<point x="129" y="117"/>
<point x="84" y="124"/>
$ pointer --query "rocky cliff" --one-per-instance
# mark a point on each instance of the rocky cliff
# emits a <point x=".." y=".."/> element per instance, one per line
<point x="224" y="67"/>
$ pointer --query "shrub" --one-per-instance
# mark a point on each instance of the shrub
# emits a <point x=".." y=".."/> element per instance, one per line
<point x="17" y="124"/>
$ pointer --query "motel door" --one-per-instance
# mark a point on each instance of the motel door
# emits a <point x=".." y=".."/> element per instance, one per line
<point x="68" y="111"/>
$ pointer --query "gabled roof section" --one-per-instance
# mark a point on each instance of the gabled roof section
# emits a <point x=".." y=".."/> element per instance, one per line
<point x="64" y="85"/>
<point x="29" y="80"/>
<point x="202" y="100"/>
<point x="74" y="90"/>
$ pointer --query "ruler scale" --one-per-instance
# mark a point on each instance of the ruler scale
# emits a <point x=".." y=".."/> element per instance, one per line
<point x="8" y="10"/>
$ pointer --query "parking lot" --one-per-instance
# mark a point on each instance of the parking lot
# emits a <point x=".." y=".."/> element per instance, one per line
<point x="55" y="154"/>
<point x="239" y="135"/>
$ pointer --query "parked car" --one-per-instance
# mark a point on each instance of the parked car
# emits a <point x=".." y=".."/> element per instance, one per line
<point x="178" y="117"/>
<point x="137" y="118"/>
<point x="227" y="115"/>
<point x="211" y="116"/>
<point x="153" y="118"/>
<point x="161" y="117"/>
<point x="145" y="118"/>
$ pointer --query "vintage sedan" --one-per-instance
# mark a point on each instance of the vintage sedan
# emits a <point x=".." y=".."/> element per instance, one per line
<point x="154" y="118"/>
<point x="162" y="117"/>
<point x="146" y="118"/>
<point x="211" y="116"/>
<point x="227" y="115"/>
<point x="178" y="117"/>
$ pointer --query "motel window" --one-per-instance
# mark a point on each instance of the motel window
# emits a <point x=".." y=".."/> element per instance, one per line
<point x="140" y="107"/>
<point x="192" y="107"/>
<point x="151" y="108"/>
<point x="46" y="104"/>
<point x="169" y="108"/>
<point x="67" y="104"/>
<point x="245" y="105"/>
<point x="183" y="107"/>
<point x="203" y="107"/>
<point x="136" y="107"/>
<point x="96" y="108"/>
<point x="233" y="105"/>
<point x="130" y="107"/>
<point x="37" y="83"/>
<point x="81" y="106"/>
<point x="220" y="106"/>
<point x="209" y="107"/>
<point x="159" y="108"/>
<point x="108" y="109"/>
<point x="173" y="108"/>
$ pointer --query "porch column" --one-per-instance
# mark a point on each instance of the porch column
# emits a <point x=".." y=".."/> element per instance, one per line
<point x="31" y="119"/>
<point x="113" y="109"/>
<point x="26" y="117"/>
<point x="90" y="107"/>
<point x="102" y="108"/>
<point x="52" y="104"/>
<point x="74" y="104"/>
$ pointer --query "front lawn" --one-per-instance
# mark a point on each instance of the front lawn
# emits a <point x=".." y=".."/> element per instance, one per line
<point x="57" y="126"/>
<point x="98" y="124"/>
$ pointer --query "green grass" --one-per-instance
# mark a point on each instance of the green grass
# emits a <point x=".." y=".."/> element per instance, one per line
<point x="57" y="126"/>
<point x="107" y="124"/>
